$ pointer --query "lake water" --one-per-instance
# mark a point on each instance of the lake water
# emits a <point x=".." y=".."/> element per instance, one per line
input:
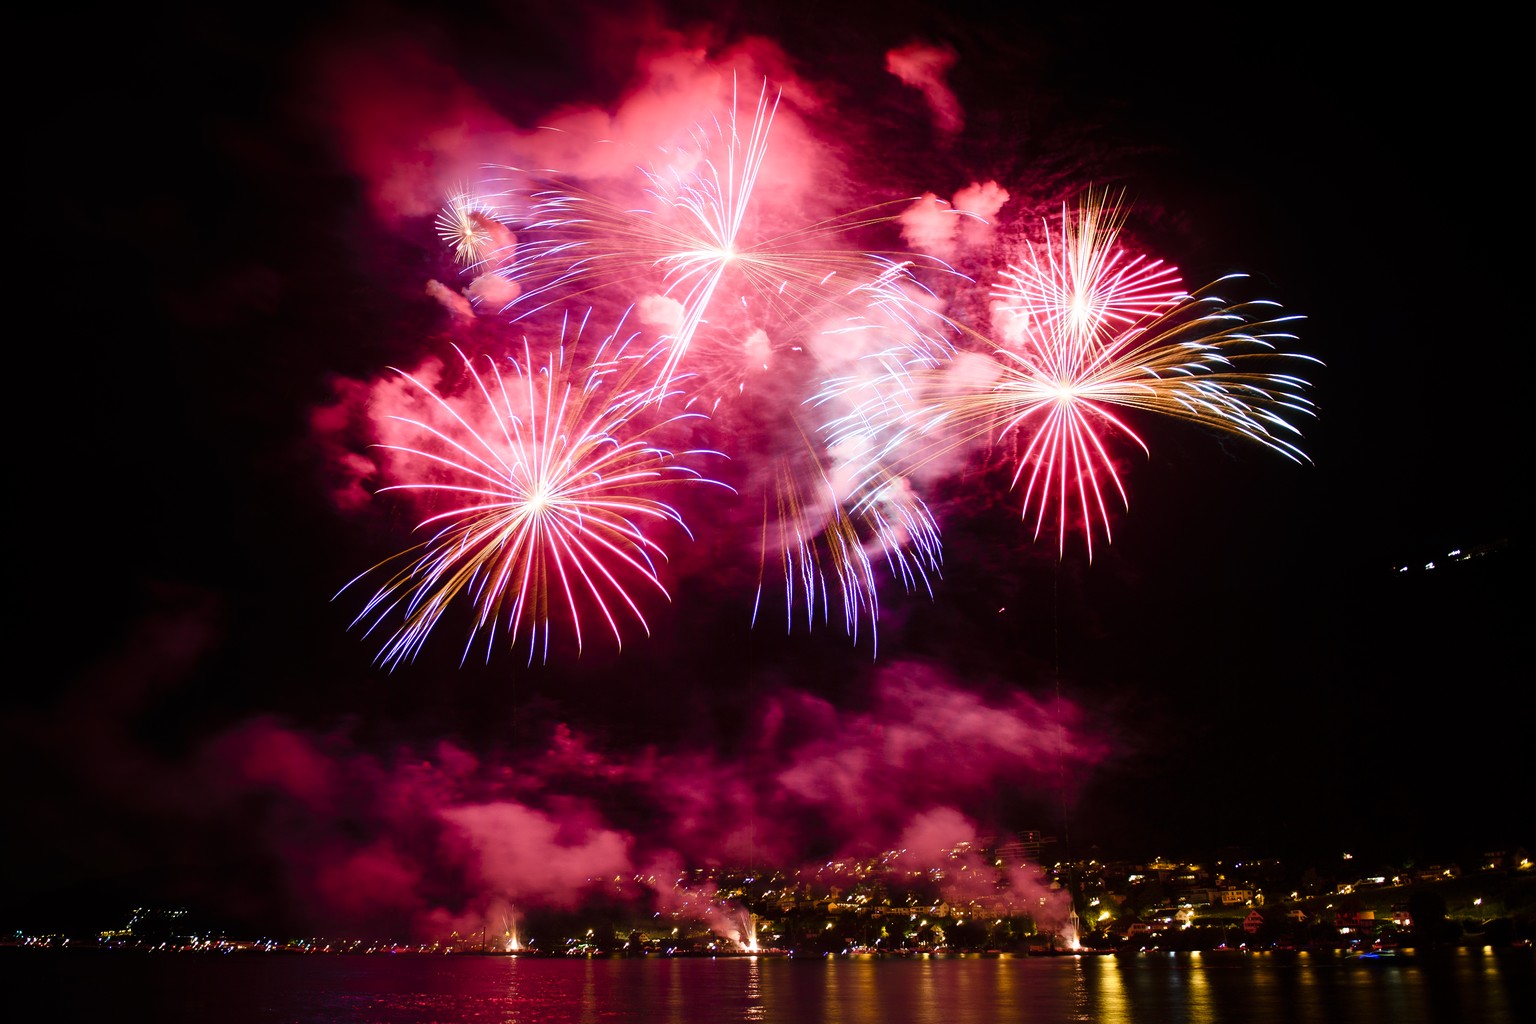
<point x="1462" y="986"/>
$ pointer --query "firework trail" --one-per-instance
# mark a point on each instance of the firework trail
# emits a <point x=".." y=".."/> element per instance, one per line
<point x="840" y="523"/>
<point x="1086" y="331"/>
<point x="550" y="472"/>
<point x="697" y="238"/>
<point x="832" y="532"/>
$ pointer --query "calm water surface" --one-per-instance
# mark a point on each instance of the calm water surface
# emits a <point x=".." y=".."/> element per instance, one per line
<point x="1466" y="986"/>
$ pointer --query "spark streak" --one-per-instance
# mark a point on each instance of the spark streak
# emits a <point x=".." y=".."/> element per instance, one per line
<point x="832" y="533"/>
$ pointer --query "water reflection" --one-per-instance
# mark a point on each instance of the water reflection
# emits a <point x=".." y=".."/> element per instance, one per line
<point x="1447" y="987"/>
<point x="588" y="1001"/>
<point x="1105" y="990"/>
<point x="1201" y="1008"/>
<point x="1005" y="979"/>
<point x="756" y="1011"/>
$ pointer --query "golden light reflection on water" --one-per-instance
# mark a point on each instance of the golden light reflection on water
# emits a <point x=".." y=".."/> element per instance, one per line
<point x="925" y="984"/>
<point x="756" y="1010"/>
<point x="1199" y="1008"/>
<point x="853" y="996"/>
<point x="1445" y="986"/>
<point x="1175" y="986"/>
<point x="1005" y="976"/>
<point x="1492" y="985"/>
<point x="925" y="990"/>
<point x="1105" y="990"/>
<point x="1147" y="988"/>
<point x="1082" y="1003"/>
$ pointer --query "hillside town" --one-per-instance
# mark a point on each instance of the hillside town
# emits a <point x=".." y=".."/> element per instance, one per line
<point x="988" y="898"/>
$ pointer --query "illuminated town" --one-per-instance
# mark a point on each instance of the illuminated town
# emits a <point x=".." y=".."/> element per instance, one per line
<point x="884" y="907"/>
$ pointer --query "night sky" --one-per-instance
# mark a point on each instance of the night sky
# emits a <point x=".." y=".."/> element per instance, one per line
<point x="235" y="212"/>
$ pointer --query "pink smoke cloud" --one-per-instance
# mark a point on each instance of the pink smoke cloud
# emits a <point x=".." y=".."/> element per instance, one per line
<point x="372" y="883"/>
<point x="334" y="434"/>
<point x="924" y="66"/>
<point x="493" y="292"/>
<point x="266" y="756"/>
<point x="528" y="855"/>
<point x="414" y="131"/>
<point x="404" y="121"/>
<point x="924" y="743"/>
<point x="932" y="834"/>
<point x="983" y="201"/>
<point x="457" y="304"/>
<point x="431" y="836"/>
<point x="930" y="225"/>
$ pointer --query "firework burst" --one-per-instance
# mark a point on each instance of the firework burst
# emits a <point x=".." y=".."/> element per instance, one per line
<point x="1080" y="285"/>
<point x="469" y="225"/>
<point x="1206" y="361"/>
<point x="696" y="238"/>
<point x="1087" y="333"/>
<point x="549" y="474"/>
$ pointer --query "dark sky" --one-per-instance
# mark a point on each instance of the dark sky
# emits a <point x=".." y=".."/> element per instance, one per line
<point x="190" y="718"/>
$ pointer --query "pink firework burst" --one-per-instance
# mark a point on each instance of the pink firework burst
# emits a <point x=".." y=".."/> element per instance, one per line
<point x="544" y="477"/>
<point x="1087" y="333"/>
<point x="1080" y="285"/>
